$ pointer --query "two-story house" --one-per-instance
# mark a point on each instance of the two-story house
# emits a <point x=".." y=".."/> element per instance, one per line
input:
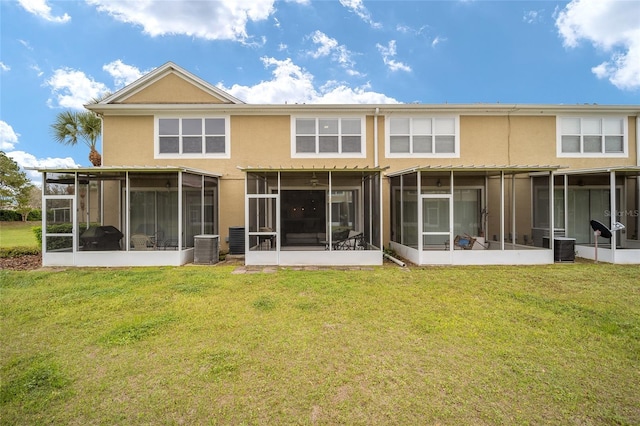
<point x="187" y="165"/>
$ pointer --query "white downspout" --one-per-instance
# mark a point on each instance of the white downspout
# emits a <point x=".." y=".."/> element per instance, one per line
<point x="614" y="215"/>
<point x="513" y="211"/>
<point x="502" y="210"/>
<point x="637" y="140"/>
<point x="420" y="213"/>
<point x="375" y="137"/>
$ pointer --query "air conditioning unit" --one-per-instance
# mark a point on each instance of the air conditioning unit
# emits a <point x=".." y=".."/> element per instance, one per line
<point x="206" y="249"/>
<point x="236" y="240"/>
<point x="564" y="249"/>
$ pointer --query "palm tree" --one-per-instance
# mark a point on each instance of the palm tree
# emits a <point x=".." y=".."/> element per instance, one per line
<point x="86" y="126"/>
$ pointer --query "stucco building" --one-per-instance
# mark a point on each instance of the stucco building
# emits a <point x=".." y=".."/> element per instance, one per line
<point x="184" y="162"/>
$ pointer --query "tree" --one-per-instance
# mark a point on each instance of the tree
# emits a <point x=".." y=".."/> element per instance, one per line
<point x="71" y="127"/>
<point x="15" y="187"/>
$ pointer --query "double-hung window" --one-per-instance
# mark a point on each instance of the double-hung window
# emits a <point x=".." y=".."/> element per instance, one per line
<point x="327" y="137"/>
<point x="192" y="137"/>
<point x="592" y="136"/>
<point x="421" y="136"/>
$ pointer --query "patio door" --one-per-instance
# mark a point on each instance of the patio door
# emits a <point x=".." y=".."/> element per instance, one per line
<point x="585" y="204"/>
<point x="304" y="217"/>
<point x="436" y="224"/>
<point x="262" y="243"/>
<point x="58" y="238"/>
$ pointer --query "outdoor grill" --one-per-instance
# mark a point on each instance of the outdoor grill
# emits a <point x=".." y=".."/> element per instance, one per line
<point x="101" y="238"/>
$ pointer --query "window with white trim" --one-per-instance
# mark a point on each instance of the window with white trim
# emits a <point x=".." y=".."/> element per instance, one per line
<point x="591" y="136"/>
<point x="192" y="137"/>
<point x="422" y="137"/>
<point x="327" y="137"/>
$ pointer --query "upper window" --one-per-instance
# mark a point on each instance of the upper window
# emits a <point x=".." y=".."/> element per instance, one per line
<point x="327" y="137"/>
<point x="192" y="137"/>
<point x="422" y="137"/>
<point x="591" y="136"/>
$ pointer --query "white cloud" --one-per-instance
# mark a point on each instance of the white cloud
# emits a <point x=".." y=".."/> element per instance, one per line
<point x="388" y="52"/>
<point x="533" y="16"/>
<point x="26" y="160"/>
<point x="358" y="8"/>
<point x="437" y="40"/>
<point x="25" y="44"/>
<point x="122" y="73"/>
<point x="338" y="93"/>
<point x="211" y="20"/>
<point x="72" y="89"/>
<point x="328" y="46"/>
<point x="4" y="67"/>
<point x="8" y="138"/>
<point x="292" y="84"/>
<point x="8" y="141"/>
<point x="37" y="70"/>
<point x="43" y="10"/>
<point x="612" y="26"/>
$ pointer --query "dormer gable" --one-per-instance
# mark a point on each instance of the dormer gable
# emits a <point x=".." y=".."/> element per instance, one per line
<point x="170" y="84"/>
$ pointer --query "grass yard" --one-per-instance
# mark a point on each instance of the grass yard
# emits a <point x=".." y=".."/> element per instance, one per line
<point x="556" y="344"/>
<point x="14" y="234"/>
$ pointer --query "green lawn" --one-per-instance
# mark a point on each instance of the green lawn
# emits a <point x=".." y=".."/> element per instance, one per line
<point x="557" y="344"/>
<point x="14" y="234"/>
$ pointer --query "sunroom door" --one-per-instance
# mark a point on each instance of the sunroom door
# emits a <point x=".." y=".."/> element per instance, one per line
<point x="263" y="217"/>
<point x="58" y="238"/>
<point x="437" y="218"/>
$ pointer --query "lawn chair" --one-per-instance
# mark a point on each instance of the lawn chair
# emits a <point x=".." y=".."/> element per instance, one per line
<point x="141" y="242"/>
<point x="465" y="242"/>
<point x="351" y="240"/>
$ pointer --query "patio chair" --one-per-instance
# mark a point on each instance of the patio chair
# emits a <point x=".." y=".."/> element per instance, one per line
<point x="465" y="242"/>
<point x="141" y="242"/>
<point x="350" y="240"/>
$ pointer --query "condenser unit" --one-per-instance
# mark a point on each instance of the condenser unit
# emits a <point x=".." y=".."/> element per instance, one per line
<point x="206" y="249"/>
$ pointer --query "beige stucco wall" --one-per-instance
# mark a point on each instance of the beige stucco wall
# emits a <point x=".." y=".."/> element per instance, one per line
<point x="171" y="89"/>
<point x="265" y="140"/>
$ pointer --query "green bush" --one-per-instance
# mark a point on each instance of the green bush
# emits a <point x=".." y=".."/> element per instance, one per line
<point x="35" y="214"/>
<point x="57" y="242"/>
<point x="14" y="216"/>
<point x="37" y="231"/>
<point x="10" y="216"/>
<point x="9" y="252"/>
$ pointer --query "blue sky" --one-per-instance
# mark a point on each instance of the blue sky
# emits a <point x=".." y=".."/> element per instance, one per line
<point x="58" y="55"/>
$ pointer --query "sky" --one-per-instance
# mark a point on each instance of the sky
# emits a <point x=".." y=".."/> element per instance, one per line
<point x="59" y="55"/>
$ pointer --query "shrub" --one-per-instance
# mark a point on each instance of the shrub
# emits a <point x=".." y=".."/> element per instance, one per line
<point x="57" y="242"/>
<point x="14" y="216"/>
<point x="37" y="231"/>
<point x="10" y="216"/>
<point x="35" y="214"/>
<point x="10" y="252"/>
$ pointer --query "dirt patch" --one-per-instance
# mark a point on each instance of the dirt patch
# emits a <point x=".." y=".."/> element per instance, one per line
<point x="25" y="262"/>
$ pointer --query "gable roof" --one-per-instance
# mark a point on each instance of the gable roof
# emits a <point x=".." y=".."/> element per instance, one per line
<point x="158" y="74"/>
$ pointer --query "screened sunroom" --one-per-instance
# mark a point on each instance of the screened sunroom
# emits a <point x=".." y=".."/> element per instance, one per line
<point x="460" y="215"/>
<point x="610" y="196"/>
<point x="313" y="217"/>
<point x="119" y="216"/>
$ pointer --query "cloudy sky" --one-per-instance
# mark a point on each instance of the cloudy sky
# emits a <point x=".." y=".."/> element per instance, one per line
<point x="58" y="55"/>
